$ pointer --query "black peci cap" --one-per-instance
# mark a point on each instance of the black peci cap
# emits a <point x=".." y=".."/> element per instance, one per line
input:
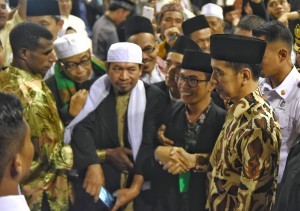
<point x="137" y="24"/>
<point x="237" y="48"/>
<point x="197" y="61"/>
<point x="42" y="7"/>
<point x="183" y="43"/>
<point x="194" y="24"/>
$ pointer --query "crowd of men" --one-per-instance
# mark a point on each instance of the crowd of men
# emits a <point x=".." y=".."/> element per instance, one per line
<point x="195" y="109"/>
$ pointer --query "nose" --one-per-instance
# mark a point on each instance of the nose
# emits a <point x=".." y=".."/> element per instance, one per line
<point x="124" y="75"/>
<point x="79" y="69"/>
<point x="214" y="78"/>
<point x="52" y="57"/>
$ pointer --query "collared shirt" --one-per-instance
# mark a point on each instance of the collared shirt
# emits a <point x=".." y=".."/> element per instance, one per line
<point x="285" y="99"/>
<point x="13" y="203"/>
<point x="51" y="155"/>
<point x="245" y="158"/>
<point x="155" y="76"/>
<point x="4" y="37"/>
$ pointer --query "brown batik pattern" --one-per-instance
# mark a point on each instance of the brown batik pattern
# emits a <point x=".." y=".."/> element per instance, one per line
<point x="245" y="158"/>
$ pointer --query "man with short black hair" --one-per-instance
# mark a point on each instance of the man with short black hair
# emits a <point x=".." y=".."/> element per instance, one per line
<point x="139" y="30"/>
<point x="247" y="24"/>
<point x="246" y="155"/>
<point x="198" y="30"/>
<point x="105" y="28"/>
<point x="16" y="153"/>
<point x="281" y="83"/>
<point x="47" y="186"/>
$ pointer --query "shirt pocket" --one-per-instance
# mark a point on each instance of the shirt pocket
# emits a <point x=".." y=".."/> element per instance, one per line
<point x="285" y="124"/>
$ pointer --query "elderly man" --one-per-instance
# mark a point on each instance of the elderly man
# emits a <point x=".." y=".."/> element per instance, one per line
<point x="198" y="30"/>
<point x="246" y="155"/>
<point x="214" y="17"/>
<point x="16" y="159"/>
<point x="119" y="125"/>
<point x="47" y="186"/>
<point x="75" y="72"/>
<point x="193" y="126"/>
<point x="139" y="30"/>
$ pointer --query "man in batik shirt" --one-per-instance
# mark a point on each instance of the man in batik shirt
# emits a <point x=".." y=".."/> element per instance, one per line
<point x="47" y="187"/>
<point x="246" y="155"/>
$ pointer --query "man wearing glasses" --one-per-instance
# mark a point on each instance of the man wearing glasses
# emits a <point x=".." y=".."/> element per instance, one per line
<point x="139" y="31"/>
<point x="75" y="72"/>
<point x="193" y="126"/>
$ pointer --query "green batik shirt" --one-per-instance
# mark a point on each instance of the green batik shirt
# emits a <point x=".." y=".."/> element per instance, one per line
<point x="245" y="158"/>
<point x="51" y="156"/>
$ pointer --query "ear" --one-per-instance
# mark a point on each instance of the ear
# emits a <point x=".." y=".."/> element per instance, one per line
<point x="59" y="25"/>
<point x="283" y="54"/>
<point x="107" y="67"/>
<point x="246" y="75"/>
<point x="16" y="168"/>
<point x="141" y="70"/>
<point x="23" y="53"/>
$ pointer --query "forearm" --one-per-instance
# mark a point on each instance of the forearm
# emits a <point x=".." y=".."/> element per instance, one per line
<point x="22" y="8"/>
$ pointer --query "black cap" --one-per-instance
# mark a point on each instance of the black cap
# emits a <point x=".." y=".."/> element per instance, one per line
<point x="42" y="7"/>
<point x="197" y="61"/>
<point x="183" y="43"/>
<point x="237" y="48"/>
<point x="228" y="9"/>
<point x="137" y="24"/>
<point x="194" y="24"/>
<point x="125" y="4"/>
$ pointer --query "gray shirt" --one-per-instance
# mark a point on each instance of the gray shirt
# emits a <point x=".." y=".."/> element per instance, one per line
<point x="104" y="34"/>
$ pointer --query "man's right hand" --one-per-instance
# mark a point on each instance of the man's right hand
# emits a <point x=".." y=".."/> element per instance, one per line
<point x="94" y="180"/>
<point x="77" y="102"/>
<point x="120" y="158"/>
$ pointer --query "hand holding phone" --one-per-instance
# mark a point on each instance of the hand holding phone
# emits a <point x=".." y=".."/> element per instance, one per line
<point x="107" y="198"/>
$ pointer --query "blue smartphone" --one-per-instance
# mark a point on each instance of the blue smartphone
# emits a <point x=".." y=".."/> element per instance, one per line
<point x="107" y="198"/>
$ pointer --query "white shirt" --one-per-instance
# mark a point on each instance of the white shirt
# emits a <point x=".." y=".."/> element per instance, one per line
<point x="285" y="99"/>
<point x="13" y="203"/>
<point x="154" y="77"/>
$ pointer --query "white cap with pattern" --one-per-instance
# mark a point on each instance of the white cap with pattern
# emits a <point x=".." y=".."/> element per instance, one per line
<point x="70" y="45"/>
<point x="124" y="52"/>
<point x="211" y="9"/>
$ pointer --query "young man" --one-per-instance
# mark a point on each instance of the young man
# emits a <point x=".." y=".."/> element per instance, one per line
<point x="246" y="155"/>
<point x="47" y="186"/>
<point x="105" y="28"/>
<point x="75" y="72"/>
<point x="139" y="30"/>
<point x="198" y="30"/>
<point x="281" y="83"/>
<point x="170" y="19"/>
<point x="174" y="61"/>
<point x="193" y="126"/>
<point x="119" y="125"/>
<point x="16" y="153"/>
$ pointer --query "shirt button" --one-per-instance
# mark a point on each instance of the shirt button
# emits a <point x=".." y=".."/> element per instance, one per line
<point x="283" y="92"/>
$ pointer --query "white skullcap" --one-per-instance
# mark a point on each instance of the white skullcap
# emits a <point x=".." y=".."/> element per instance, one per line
<point x="70" y="45"/>
<point x="124" y="52"/>
<point x="212" y="10"/>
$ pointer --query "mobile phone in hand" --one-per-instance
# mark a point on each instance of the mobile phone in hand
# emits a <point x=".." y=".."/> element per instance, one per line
<point x="148" y="12"/>
<point x="107" y="198"/>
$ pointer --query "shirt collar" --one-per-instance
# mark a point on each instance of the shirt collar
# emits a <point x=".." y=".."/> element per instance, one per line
<point x="286" y="87"/>
<point x="241" y="106"/>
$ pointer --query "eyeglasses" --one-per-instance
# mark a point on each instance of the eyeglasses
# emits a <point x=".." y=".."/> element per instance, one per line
<point x="71" y="66"/>
<point x="148" y="49"/>
<point x="191" y="82"/>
